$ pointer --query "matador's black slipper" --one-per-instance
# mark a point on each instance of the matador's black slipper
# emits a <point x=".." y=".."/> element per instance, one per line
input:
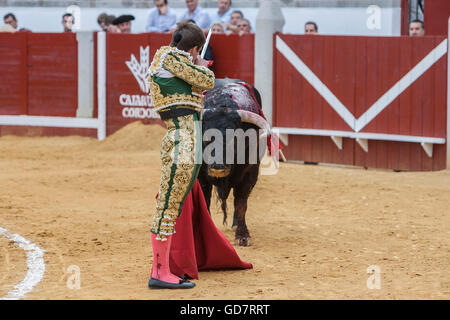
<point x="158" y="284"/>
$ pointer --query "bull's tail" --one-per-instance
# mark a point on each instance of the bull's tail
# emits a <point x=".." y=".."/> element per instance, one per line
<point x="223" y="202"/>
<point x="223" y="205"/>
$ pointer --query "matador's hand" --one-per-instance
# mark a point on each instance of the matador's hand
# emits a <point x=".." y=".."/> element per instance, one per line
<point x="201" y="62"/>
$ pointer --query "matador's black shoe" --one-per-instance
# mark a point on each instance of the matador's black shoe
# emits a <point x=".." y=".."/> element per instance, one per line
<point x="158" y="284"/>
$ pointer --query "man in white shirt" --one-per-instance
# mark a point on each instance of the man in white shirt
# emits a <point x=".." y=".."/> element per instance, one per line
<point x="224" y="12"/>
<point x="244" y="26"/>
<point x="196" y="13"/>
<point x="416" y="28"/>
<point x="162" y="18"/>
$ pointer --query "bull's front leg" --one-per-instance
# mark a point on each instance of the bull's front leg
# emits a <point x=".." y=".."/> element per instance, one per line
<point x="206" y="186"/>
<point x="242" y="235"/>
<point x="241" y="193"/>
<point x="207" y="189"/>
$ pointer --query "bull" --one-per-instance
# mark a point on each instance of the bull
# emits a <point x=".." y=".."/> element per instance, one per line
<point x="233" y="106"/>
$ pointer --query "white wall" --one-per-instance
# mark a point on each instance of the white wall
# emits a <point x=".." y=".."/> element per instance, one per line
<point x="345" y="21"/>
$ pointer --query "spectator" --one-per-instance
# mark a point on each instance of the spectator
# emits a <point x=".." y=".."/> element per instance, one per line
<point x="311" y="28"/>
<point x="218" y="27"/>
<point x="235" y="16"/>
<point x="113" y="29"/>
<point x="244" y="26"/>
<point x="416" y="28"/>
<point x="109" y="24"/>
<point x="67" y="21"/>
<point x="101" y="20"/>
<point x="10" y="19"/>
<point x="123" y="22"/>
<point x="162" y="18"/>
<point x="196" y="13"/>
<point x="224" y="12"/>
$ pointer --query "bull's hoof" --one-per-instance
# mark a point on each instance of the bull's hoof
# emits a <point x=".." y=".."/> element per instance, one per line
<point x="244" y="242"/>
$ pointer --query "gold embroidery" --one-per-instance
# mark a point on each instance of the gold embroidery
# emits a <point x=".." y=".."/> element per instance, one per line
<point x="172" y="193"/>
<point x="180" y="66"/>
<point x="203" y="79"/>
<point x="161" y="102"/>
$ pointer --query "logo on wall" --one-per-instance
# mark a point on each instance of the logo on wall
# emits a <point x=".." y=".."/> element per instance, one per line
<point x="139" y="106"/>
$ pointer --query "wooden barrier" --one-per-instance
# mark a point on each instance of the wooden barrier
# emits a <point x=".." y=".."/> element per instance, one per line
<point x="366" y="101"/>
<point x="436" y="15"/>
<point x="39" y="85"/>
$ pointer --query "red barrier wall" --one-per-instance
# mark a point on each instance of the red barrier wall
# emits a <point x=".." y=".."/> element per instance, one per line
<point x="39" y="77"/>
<point x="52" y="74"/>
<point x="39" y="74"/>
<point x="358" y="71"/>
<point x="13" y="80"/>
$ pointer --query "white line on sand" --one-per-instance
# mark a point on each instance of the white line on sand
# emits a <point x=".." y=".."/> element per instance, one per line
<point x="35" y="263"/>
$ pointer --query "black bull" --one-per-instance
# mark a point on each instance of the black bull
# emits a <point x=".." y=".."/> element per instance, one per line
<point x="230" y="106"/>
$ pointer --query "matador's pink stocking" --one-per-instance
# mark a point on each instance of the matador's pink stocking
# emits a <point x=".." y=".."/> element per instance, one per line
<point x="160" y="267"/>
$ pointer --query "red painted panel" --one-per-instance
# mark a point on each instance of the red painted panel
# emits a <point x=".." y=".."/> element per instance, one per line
<point x="297" y="107"/>
<point x="358" y="71"/>
<point x="392" y="56"/>
<point x="405" y="17"/>
<point x="436" y="17"/>
<point x="52" y="74"/>
<point x="233" y="56"/>
<point x="318" y="104"/>
<point x="13" y="89"/>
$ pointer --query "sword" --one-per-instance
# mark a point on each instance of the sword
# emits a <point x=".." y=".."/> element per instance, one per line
<point x="202" y="55"/>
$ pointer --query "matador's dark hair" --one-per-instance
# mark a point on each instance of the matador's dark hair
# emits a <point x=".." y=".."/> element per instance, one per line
<point x="187" y="36"/>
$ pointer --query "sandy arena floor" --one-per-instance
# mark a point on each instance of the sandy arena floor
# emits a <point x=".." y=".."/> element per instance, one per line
<point x="315" y="229"/>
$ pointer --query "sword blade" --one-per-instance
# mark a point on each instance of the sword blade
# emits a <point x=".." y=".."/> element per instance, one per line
<point x="202" y="55"/>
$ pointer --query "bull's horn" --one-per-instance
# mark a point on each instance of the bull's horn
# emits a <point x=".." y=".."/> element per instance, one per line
<point x="256" y="119"/>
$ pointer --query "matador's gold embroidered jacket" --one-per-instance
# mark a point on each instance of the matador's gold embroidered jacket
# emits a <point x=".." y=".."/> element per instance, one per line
<point x="175" y="81"/>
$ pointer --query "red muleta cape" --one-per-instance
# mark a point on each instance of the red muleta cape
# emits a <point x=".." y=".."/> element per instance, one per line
<point x="197" y="244"/>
